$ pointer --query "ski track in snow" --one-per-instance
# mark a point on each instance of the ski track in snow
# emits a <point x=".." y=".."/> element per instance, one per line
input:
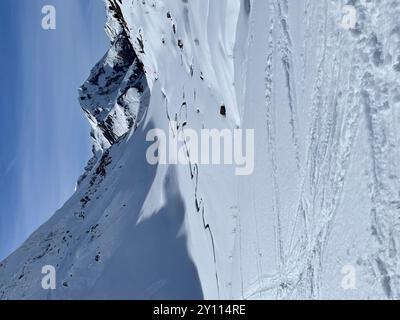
<point x="340" y="90"/>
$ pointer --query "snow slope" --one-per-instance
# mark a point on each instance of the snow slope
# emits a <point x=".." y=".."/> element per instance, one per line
<point x="324" y="195"/>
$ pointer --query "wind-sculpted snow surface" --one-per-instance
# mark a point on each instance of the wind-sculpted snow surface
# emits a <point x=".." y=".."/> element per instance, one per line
<point x="320" y="216"/>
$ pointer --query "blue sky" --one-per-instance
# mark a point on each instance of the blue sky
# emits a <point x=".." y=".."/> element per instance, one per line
<point x="44" y="137"/>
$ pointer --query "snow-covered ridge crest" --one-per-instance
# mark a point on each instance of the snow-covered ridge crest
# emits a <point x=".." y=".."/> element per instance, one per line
<point x="199" y="35"/>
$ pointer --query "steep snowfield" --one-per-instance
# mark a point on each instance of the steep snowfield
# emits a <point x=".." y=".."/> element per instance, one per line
<point x="325" y="192"/>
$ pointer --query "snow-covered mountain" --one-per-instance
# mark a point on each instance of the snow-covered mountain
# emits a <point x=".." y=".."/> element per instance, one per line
<point x="320" y="215"/>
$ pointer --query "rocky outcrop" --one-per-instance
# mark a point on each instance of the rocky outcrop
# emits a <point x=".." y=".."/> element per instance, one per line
<point x="116" y="95"/>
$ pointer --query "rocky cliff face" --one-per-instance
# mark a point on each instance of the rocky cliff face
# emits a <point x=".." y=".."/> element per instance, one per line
<point x="116" y="95"/>
<point x="318" y="218"/>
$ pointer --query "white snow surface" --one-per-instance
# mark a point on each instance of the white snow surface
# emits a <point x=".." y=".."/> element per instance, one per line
<point x="325" y="194"/>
